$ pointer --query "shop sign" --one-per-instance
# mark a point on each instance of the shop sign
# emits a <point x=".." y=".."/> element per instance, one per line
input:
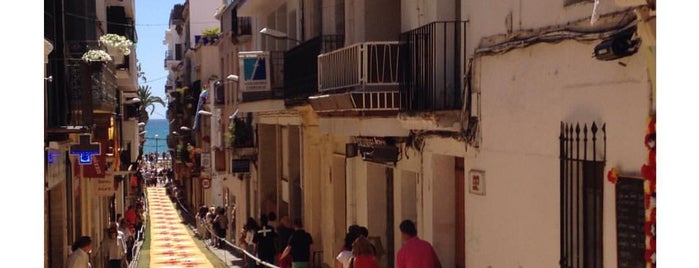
<point x="104" y="186"/>
<point x="56" y="168"/>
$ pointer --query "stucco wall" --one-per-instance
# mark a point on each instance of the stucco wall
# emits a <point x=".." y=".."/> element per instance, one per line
<point x="201" y="16"/>
<point x="525" y="94"/>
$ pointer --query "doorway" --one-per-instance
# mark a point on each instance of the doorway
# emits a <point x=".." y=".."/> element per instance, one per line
<point x="460" y="205"/>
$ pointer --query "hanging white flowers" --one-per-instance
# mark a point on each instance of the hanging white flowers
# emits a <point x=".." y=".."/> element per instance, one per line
<point x="94" y="55"/>
<point x="115" y="41"/>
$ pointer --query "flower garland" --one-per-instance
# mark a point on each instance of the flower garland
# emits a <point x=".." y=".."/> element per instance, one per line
<point x="94" y="55"/>
<point x="117" y="41"/>
<point x="649" y="174"/>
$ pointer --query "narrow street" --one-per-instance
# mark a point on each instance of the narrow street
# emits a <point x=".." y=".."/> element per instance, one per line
<point x="171" y="245"/>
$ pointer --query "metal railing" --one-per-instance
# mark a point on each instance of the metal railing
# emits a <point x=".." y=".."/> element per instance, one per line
<point x="242" y="26"/>
<point x="192" y="223"/>
<point x="139" y="239"/>
<point x="364" y="65"/>
<point x="301" y="65"/>
<point x="432" y="70"/>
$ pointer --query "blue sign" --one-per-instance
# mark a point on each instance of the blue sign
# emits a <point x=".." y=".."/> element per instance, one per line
<point x="256" y="74"/>
<point x="85" y="149"/>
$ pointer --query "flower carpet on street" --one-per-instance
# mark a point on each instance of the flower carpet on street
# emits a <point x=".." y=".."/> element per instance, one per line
<point x="171" y="244"/>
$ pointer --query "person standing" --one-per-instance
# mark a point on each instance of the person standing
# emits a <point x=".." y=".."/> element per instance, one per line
<point x="220" y="225"/>
<point x="344" y="257"/>
<point x="80" y="257"/>
<point x="113" y="249"/>
<point x="264" y="241"/>
<point x="364" y="253"/>
<point x="415" y="252"/>
<point x="299" y="246"/>
<point x="246" y="236"/>
<point x="284" y="231"/>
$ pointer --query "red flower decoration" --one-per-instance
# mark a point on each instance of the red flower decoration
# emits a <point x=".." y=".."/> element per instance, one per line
<point x="612" y="175"/>
<point x="648" y="172"/>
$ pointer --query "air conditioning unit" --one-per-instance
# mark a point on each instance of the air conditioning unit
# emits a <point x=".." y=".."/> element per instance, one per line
<point x="379" y="153"/>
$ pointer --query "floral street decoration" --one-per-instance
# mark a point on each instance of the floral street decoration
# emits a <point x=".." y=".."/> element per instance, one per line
<point x="648" y="171"/>
<point x="95" y="55"/>
<point x="118" y="42"/>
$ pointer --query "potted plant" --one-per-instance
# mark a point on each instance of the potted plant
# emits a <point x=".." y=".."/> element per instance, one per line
<point x="117" y="45"/>
<point x="95" y="58"/>
<point x="210" y="34"/>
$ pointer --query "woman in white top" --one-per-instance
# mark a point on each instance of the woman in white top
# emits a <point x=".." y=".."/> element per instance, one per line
<point x="344" y="258"/>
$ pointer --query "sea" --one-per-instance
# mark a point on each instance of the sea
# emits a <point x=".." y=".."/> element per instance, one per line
<point x="161" y="128"/>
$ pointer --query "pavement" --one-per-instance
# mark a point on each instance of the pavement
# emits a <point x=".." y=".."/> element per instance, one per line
<point x="229" y="256"/>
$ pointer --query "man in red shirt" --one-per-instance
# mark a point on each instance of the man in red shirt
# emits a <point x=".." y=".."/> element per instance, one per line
<point x="415" y="252"/>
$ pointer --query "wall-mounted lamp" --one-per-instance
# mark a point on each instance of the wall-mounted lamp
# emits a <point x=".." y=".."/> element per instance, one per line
<point x="232" y="77"/>
<point x="132" y="101"/>
<point x="277" y="34"/>
<point x="620" y="45"/>
<point x="49" y="79"/>
<point x="233" y="115"/>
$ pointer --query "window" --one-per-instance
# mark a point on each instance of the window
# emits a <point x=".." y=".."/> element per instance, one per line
<point x="582" y="160"/>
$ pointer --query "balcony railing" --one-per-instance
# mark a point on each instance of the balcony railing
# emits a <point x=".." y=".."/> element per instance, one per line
<point x="432" y="58"/>
<point x="242" y="27"/>
<point x="262" y="75"/>
<point x="119" y="23"/>
<point x="89" y="88"/>
<point x="371" y="66"/>
<point x="173" y="56"/>
<point x="301" y="65"/>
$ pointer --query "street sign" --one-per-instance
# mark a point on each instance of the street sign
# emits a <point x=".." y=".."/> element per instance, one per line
<point x="205" y="183"/>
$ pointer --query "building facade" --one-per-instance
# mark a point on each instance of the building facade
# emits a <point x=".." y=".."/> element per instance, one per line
<point x="90" y="123"/>
<point x="508" y="133"/>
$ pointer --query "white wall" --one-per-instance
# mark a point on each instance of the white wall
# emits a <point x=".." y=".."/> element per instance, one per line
<point x="488" y="18"/>
<point x="201" y="16"/>
<point x="525" y="94"/>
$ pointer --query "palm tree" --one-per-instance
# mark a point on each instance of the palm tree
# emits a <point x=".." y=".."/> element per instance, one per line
<point x="147" y="100"/>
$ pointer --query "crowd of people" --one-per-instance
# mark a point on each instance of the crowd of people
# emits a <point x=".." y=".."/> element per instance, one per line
<point x="116" y="250"/>
<point x="359" y="252"/>
<point x="283" y="244"/>
<point x="288" y="245"/>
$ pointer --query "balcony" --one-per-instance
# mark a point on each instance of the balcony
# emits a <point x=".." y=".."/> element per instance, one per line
<point x="301" y="65"/>
<point x="362" y="77"/>
<point x="173" y="57"/>
<point x="91" y="89"/>
<point x="242" y="29"/>
<point x="119" y="23"/>
<point x="262" y="80"/>
<point x="432" y="58"/>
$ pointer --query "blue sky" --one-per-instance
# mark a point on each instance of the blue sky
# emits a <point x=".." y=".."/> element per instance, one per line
<point x="151" y="22"/>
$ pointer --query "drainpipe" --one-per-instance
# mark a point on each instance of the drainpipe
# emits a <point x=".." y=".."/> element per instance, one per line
<point x="303" y="25"/>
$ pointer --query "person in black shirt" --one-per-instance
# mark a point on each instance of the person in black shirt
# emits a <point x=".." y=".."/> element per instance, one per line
<point x="299" y="246"/>
<point x="264" y="242"/>
<point x="284" y="231"/>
